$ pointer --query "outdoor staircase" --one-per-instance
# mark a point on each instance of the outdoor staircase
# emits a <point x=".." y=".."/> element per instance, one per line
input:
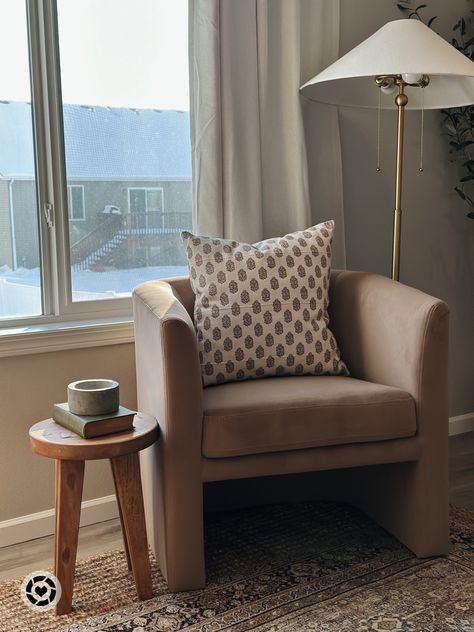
<point x="97" y="245"/>
<point x="101" y="252"/>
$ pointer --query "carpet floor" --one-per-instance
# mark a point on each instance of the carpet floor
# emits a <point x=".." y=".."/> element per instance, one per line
<point x="282" y="568"/>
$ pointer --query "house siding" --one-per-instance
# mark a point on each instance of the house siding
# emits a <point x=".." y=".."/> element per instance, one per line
<point x="177" y="198"/>
<point x="6" y="252"/>
<point x="26" y="223"/>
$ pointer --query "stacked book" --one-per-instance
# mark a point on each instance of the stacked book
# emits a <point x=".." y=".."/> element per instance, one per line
<point x="90" y="426"/>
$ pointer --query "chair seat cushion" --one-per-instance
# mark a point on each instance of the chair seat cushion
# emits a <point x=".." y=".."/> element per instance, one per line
<point x="291" y="413"/>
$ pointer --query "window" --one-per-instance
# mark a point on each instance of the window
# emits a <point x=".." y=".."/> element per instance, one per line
<point x="146" y="208"/>
<point x="147" y="200"/>
<point x="20" y="263"/>
<point x="90" y="153"/>
<point x="75" y="202"/>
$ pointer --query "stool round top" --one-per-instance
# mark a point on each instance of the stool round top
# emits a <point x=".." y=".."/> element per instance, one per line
<point x="49" y="439"/>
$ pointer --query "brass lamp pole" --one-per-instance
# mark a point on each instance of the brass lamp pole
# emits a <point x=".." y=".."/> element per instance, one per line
<point x="387" y="82"/>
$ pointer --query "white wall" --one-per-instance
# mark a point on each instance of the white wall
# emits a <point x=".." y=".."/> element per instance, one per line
<point x="438" y="240"/>
<point x="29" y="385"/>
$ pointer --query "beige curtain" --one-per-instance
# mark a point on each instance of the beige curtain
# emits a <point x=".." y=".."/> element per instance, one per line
<point x="265" y="160"/>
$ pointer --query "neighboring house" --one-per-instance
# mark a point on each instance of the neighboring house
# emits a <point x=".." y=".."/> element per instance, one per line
<point x="129" y="186"/>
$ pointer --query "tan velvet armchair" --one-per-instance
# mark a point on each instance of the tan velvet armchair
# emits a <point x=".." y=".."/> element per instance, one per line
<point x="383" y="430"/>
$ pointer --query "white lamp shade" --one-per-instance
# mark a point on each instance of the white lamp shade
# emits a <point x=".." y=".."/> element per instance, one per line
<point x="400" y="47"/>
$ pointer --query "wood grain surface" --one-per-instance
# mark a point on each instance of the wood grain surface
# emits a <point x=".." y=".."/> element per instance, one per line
<point x="69" y="482"/>
<point x="51" y="440"/>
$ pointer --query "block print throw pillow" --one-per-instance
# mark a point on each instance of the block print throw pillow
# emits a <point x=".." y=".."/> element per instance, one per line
<point x="262" y="309"/>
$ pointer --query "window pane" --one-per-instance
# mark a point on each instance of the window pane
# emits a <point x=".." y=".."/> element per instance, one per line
<point x="137" y="200"/>
<point x="77" y="202"/>
<point x="155" y="200"/>
<point x="126" y="127"/>
<point x="20" y="277"/>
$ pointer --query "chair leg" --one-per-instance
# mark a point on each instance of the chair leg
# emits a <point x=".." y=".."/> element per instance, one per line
<point x="410" y="500"/>
<point x="174" y="514"/>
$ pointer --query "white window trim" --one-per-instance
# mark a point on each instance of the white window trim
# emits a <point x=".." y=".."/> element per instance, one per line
<point x="70" y="187"/>
<point x="44" y="338"/>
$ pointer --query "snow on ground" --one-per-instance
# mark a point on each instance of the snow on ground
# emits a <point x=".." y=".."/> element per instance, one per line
<point x="118" y="281"/>
<point x="20" y="293"/>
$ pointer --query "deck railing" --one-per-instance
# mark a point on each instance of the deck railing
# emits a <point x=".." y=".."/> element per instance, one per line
<point x="149" y="223"/>
<point x="157" y="222"/>
<point x="100" y="235"/>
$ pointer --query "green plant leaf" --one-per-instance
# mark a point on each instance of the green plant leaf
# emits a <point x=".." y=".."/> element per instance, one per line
<point x="450" y="126"/>
<point x="469" y="165"/>
<point x="457" y="123"/>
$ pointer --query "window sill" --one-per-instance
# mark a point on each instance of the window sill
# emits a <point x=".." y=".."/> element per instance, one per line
<point x="62" y="336"/>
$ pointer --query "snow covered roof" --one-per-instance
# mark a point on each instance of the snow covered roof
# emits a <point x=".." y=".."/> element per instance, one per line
<point x="115" y="143"/>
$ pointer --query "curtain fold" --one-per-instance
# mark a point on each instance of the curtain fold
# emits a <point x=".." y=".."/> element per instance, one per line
<point x="265" y="160"/>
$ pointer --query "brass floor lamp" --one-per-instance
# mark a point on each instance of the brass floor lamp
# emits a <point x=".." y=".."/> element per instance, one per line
<point x="403" y="57"/>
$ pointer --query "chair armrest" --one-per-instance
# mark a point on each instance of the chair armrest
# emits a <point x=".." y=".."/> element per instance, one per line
<point x="395" y="335"/>
<point x="169" y="384"/>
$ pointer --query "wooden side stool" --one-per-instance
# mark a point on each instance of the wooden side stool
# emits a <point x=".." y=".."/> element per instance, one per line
<point x="49" y="439"/>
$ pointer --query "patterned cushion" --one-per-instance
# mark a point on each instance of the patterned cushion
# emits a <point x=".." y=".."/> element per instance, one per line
<point x="261" y="309"/>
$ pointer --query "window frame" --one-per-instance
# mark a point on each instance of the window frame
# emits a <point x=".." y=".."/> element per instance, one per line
<point x="52" y="186"/>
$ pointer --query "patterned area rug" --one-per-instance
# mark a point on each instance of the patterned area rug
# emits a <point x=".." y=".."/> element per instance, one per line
<point x="291" y="568"/>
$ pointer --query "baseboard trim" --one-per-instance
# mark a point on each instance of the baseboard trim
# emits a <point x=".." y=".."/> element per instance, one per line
<point x="461" y="424"/>
<point x="40" y="524"/>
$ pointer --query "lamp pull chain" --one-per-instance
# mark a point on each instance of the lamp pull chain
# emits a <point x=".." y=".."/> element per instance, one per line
<point x="422" y="127"/>
<point x="378" y="130"/>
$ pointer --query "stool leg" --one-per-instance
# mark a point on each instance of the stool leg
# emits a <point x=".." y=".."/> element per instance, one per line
<point x="122" y="525"/>
<point x="69" y="480"/>
<point x="126" y="470"/>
